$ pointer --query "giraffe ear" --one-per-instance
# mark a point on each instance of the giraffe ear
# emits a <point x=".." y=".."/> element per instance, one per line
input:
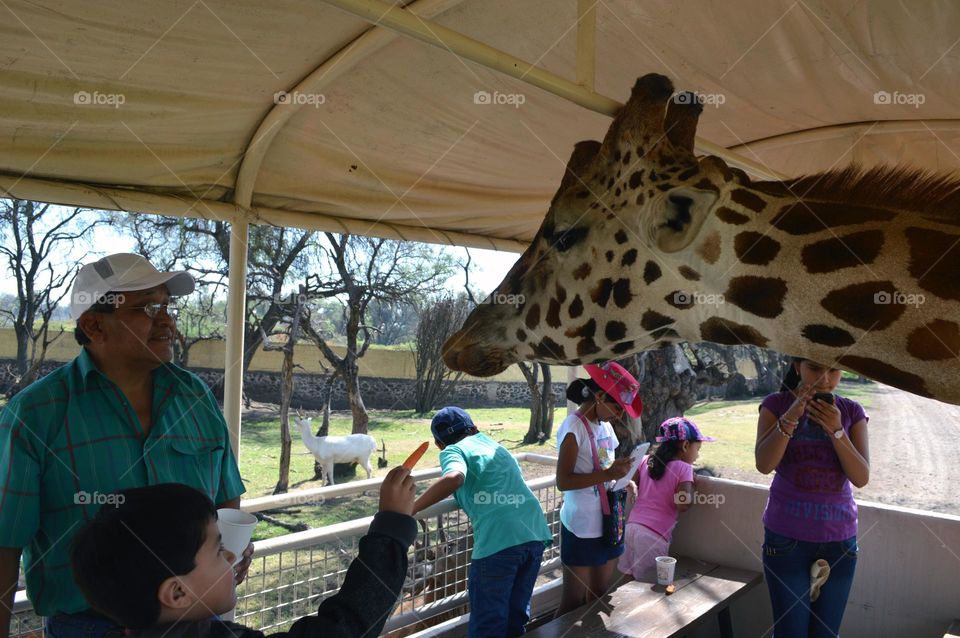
<point x="681" y="216"/>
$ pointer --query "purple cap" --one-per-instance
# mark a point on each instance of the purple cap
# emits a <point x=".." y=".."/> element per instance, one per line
<point x="681" y="429"/>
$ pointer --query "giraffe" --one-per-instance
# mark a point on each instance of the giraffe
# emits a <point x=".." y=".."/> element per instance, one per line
<point x="644" y="244"/>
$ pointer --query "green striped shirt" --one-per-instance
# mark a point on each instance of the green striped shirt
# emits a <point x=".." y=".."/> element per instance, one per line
<point x="71" y="439"/>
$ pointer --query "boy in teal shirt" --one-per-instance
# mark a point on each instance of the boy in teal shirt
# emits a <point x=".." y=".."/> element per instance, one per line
<point x="509" y="528"/>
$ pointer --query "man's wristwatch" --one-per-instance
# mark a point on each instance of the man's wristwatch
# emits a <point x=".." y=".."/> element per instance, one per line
<point x="838" y="434"/>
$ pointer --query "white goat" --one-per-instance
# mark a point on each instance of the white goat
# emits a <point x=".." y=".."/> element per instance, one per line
<point x="337" y="449"/>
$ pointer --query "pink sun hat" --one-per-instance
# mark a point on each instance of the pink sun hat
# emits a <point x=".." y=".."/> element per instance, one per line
<point x="681" y="429"/>
<point x="614" y="379"/>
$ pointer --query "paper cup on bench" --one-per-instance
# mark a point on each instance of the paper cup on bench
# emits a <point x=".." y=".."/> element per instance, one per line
<point x="236" y="529"/>
<point x="665" y="568"/>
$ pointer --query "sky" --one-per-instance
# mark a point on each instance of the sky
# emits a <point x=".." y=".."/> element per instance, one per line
<point x="488" y="266"/>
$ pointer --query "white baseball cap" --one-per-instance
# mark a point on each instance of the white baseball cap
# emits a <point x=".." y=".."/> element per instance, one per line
<point x="122" y="272"/>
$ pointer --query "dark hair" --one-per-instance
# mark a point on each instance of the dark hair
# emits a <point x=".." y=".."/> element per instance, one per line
<point x="100" y="306"/>
<point x="665" y="452"/>
<point x="792" y="378"/>
<point x="459" y="436"/>
<point x="127" y="550"/>
<point x="580" y="390"/>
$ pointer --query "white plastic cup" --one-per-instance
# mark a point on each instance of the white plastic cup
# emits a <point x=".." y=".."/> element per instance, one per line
<point x="665" y="568"/>
<point x="236" y="529"/>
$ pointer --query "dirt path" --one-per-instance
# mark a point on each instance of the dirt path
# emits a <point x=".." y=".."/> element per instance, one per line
<point x="914" y="453"/>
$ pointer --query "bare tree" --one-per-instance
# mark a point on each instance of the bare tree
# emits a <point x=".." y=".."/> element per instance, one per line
<point x="368" y="269"/>
<point x="34" y="235"/>
<point x="440" y="317"/>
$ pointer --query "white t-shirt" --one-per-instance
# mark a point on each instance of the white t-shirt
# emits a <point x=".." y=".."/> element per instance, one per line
<point x="580" y="512"/>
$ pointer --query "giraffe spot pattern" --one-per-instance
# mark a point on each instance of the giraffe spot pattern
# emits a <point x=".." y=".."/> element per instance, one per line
<point x="600" y="294"/>
<point x="521" y="335"/>
<point x="812" y="217"/>
<point x="533" y="316"/>
<point x="651" y="272"/>
<point x="687" y="174"/>
<point x="935" y="341"/>
<point x="553" y="314"/>
<point x="629" y="257"/>
<point x="707" y="185"/>
<point x="587" y="347"/>
<point x="561" y="293"/>
<point x="731" y="333"/>
<point x="576" y="307"/>
<point x="589" y="329"/>
<point x="761" y="296"/>
<point x="621" y="293"/>
<point x="688" y="273"/>
<point x="885" y="373"/>
<point x="615" y="330"/>
<point x="623" y="346"/>
<point x="836" y="253"/>
<point x="609" y="256"/>
<point x="935" y="261"/>
<point x="730" y="216"/>
<point x="857" y="304"/>
<point x="748" y="199"/>
<point x="582" y="271"/>
<point x="709" y="249"/>
<point x="549" y="349"/>
<point x="658" y="325"/>
<point x="635" y="179"/>
<point x="640" y="199"/>
<point x="827" y="335"/>
<point x="621" y="237"/>
<point x="755" y="248"/>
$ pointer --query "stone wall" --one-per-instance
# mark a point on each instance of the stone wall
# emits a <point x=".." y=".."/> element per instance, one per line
<point x="377" y="393"/>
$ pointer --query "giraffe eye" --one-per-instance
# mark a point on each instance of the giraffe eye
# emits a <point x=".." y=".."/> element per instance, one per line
<point x="567" y="239"/>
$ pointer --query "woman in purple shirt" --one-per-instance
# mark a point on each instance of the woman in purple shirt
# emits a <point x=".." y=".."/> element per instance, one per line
<point x="818" y="448"/>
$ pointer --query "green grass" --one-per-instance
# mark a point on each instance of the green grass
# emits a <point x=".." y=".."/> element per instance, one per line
<point x="734" y="424"/>
<point x="401" y="431"/>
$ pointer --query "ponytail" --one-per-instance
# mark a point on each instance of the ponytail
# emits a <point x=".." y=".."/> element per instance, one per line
<point x="665" y="452"/>
<point x="792" y="378"/>
<point x="580" y="390"/>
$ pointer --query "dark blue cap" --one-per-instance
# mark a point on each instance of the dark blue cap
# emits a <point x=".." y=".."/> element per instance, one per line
<point x="449" y="422"/>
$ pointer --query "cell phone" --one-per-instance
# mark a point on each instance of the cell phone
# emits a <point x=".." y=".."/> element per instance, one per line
<point x="826" y="397"/>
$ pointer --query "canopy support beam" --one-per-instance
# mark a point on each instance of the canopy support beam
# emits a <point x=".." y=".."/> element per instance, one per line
<point x="586" y="43"/>
<point x="428" y="32"/>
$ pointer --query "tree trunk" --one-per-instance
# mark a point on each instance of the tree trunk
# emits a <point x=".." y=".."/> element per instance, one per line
<point x="286" y="394"/>
<point x="668" y="387"/>
<point x="357" y="410"/>
<point x="547" y="401"/>
<point x="324" y="429"/>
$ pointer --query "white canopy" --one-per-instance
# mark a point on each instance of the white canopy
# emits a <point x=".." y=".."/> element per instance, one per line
<point x="302" y="112"/>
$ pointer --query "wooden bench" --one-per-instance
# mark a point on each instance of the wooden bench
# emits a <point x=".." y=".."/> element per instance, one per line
<point x="643" y="610"/>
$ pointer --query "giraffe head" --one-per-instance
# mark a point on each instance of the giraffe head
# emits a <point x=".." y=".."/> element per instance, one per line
<point x="626" y="214"/>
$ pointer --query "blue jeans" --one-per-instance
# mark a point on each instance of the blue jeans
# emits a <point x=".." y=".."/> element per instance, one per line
<point x="500" y="587"/>
<point x="84" y="624"/>
<point x="786" y="568"/>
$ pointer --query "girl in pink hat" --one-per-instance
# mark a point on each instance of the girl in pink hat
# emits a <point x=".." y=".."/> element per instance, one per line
<point x="588" y="563"/>
<point x="664" y="489"/>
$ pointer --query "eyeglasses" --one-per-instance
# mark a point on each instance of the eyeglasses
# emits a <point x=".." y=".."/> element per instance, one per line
<point x="153" y="309"/>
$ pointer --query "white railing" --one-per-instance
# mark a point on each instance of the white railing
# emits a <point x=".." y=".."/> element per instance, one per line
<point x="293" y="573"/>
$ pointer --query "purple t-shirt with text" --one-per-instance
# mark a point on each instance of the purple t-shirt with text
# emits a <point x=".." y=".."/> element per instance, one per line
<point x="811" y="498"/>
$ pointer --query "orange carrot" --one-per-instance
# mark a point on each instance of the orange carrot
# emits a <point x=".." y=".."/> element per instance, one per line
<point x="413" y="458"/>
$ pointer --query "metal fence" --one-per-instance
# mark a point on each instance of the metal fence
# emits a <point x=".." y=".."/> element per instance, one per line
<point x="292" y="574"/>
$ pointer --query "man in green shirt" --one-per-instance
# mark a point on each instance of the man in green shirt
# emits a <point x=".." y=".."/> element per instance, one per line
<point x="509" y="528"/>
<point x="119" y="415"/>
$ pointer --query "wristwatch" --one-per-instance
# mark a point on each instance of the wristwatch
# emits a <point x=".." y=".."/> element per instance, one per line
<point x="838" y="434"/>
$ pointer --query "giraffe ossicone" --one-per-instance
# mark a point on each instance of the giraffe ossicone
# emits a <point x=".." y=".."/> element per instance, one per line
<point x="644" y="243"/>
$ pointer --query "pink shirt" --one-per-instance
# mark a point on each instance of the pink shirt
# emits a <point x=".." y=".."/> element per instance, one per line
<point x="656" y="506"/>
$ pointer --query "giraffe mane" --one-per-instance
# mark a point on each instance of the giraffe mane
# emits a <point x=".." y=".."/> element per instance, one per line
<point x="896" y="187"/>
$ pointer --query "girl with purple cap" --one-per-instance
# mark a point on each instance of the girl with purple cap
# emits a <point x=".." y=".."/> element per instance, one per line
<point x="585" y="463"/>
<point x="664" y="489"/>
<point x="817" y="443"/>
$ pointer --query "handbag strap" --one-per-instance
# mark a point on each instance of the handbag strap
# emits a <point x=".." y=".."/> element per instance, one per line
<point x="602" y="487"/>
